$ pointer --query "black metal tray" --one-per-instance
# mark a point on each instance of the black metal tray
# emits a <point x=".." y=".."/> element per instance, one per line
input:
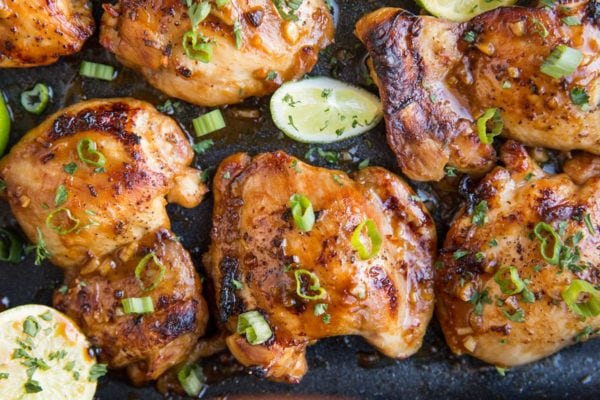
<point x="344" y="366"/>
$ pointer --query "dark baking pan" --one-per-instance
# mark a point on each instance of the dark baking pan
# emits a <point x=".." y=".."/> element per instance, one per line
<point x="346" y="366"/>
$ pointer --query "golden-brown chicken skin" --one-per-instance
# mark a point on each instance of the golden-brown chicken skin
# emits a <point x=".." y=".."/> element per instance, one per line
<point x="148" y="36"/>
<point x="38" y="32"/>
<point x="436" y="78"/>
<point x="84" y="207"/>
<point x="257" y="250"/>
<point x="509" y="321"/>
<point x="146" y="344"/>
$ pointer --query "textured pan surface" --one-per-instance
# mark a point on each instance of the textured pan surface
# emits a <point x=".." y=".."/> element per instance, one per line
<point x="346" y="367"/>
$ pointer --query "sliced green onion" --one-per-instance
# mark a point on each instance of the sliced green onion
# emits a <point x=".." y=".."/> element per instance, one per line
<point x="588" y="223"/>
<point x="306" y="280"/>
<point x="492" y="115"/>
<point x="511" y="284"/>
<point x="197" y="46"/>
<point x="582" y="298"/>
<point x="11" y="248"/>
<point x="198" y="12"/>
<point x="554" y="257"/>
<point x="302" y="212"/>
<point x="36" y="99"/>
<point x="97" y="71"/>
<point x="374" y="237"/>
<point x="191" y="379"/>
<point x="572" y="20"/>
<point x="238" y="34"/>
<point x="143" y="265"/>
<point x="562" y="62"/>
<point x="208" y="123"/>
<point x="87" y="151"/>
<point x="221" y="3"/>
<point x="4" y="124"/>
<point x="138" y="305"/>
<point x="292" y="5"/>
<point x="58" y="228"/>
<point x="254" y="326"/>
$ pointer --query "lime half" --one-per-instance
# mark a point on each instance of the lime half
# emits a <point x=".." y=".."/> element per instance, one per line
<point x="324" y="110"/>
<point x="461" y="10"/>
<point x="44" y="356"/>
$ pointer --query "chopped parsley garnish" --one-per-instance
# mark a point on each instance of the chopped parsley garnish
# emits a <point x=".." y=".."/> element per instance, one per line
<point x="579" y="96"/>
<point x="61" y="195"/>
<point x="480" y="299"/>
<point x="290" y="100"/>
<point x="458" y="254"/>
<point x="517" y="316"/>
<point x="32" y="386"/>
<point x="291" y="123"/>
<point x="203" y="146"/>
<point x="450" y="171"/>
<point x="47" y="316"/>
<point x="337" y="179"/>
<point x="31" y="327"/>
<point x="470" y="36"/>
<point x="97" y="371"/>
<point x="529" y="176"/>
<point x="271" y="75"/>
<point x="70" y="168"/>
<point x="41" y="252"/>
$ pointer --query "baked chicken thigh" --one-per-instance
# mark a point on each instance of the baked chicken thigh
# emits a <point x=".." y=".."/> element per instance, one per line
<point x="212" y="55"/>
<point x="520" y="267"/>
<point x="437" y="79"/>
<point x="147" y="344"/>
<point x="102" y="170"/>
<point x="38" y="32"/>
<point x="300" y="253"/>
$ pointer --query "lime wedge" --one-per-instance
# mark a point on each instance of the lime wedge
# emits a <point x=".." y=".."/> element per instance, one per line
<point x="461" y="10"/>
<point x="44" y="355"/>
<point x="324" y="110"/>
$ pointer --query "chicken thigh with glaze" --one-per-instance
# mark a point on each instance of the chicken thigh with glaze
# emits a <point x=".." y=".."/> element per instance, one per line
<point x="102" y="170"/>
<point x="38" y="32"/>
<point x="146" y="344"/>
<point x="438" y="78"/>
<point x="241" y="49"/>
<point x="330" y="278"/>
<point x="520" y="268"/>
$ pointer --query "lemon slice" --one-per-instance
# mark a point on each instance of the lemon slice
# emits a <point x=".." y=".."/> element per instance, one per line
<point x="44" y="355"/>
<point x="461" y="10"/>
<point x="324" y="110"/>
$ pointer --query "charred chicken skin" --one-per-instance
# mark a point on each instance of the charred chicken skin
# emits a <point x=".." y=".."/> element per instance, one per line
<point x="102" y="171"/>
<point x="38" y="32"/>
<point x="438" y="78"/>
<point x="520" y="266"/>
<point x="146" y="344"/>
<point x="246" y="48"/>
<point x="312" y="282"/>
